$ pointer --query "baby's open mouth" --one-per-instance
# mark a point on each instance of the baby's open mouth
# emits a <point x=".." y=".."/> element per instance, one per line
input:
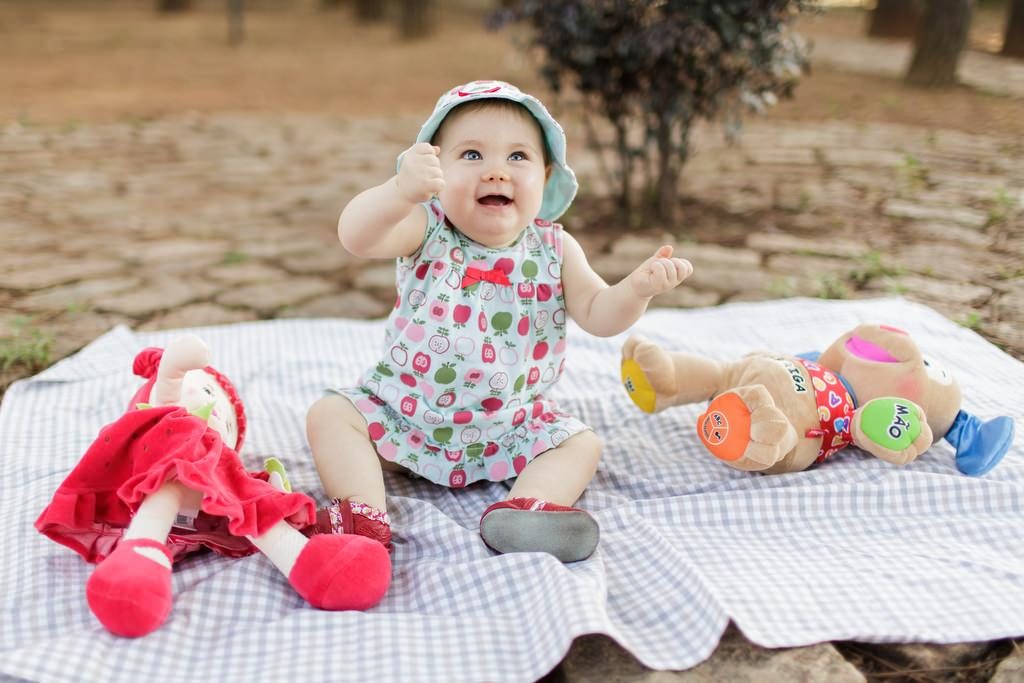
<point x="494" y="200"/>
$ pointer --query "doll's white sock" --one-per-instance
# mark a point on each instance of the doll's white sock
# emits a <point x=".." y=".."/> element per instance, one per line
<point x="282" y="544"/>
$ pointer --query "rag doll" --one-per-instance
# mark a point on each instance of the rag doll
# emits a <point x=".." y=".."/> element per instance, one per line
<point x="165" y="479"/>
<point x="772" y="413"/>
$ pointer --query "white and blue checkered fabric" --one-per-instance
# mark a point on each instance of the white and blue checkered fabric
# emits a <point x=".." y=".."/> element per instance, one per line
<point x="853" y="549"/>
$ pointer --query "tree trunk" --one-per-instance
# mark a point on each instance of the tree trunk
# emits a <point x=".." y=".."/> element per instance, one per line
<point x="370" y="10"/>
<point x="895" y="19"/>
<point x="236" y="19"/>
<point x="331" y="4"/>
<point x="625" y="166"/>
<point x="173" y="5"/>
<point x="671" y="159"/>
<point x="939" y="41"/>
<point x="418" y="18"/>
<point x="1013" y="39"/>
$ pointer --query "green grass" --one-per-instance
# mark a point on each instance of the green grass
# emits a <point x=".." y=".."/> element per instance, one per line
<point x="232" y="258"/>
<point x="831" y="287"/>
<point x="913" y="173"/>
<point x="25" y="346"/>
<point x="971" y="321"/>
<point x="870" y="267"/>
<point x="781" y="288"/>
<point x="77" y="307"/>
<point x="1001" y="207"/>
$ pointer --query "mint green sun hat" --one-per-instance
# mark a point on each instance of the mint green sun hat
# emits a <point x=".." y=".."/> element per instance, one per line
<point x="561" y="186"/>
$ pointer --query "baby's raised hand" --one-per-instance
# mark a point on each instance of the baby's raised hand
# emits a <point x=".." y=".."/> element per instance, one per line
<point x="659" y="273"/>
<point x="419" y="175"/>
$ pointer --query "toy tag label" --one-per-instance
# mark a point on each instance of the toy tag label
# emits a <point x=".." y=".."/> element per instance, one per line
<point x="186" y="519"/>
<point x="795" y="375"/>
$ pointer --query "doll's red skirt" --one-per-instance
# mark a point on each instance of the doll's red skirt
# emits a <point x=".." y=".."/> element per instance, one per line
<point x="134" y="456"/>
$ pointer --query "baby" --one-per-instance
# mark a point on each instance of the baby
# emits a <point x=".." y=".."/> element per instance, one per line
<point x="478" y="332"/>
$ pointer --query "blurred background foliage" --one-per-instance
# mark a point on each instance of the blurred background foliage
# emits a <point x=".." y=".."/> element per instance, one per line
<point x="637" y="74"/>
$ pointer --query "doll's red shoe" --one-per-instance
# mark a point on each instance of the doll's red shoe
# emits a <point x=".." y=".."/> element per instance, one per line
<point x="342" y="572"/>
<point x="130" y="591"/>
<point x="532" y="525"/>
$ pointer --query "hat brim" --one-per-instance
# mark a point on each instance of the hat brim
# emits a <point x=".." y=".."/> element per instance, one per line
<point x="561" y="186"/>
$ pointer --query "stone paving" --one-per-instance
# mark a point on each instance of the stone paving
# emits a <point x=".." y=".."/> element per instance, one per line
<point x="197" y="220"/>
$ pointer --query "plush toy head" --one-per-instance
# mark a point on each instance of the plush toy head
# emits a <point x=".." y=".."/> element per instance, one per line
<point x="180" y="375"/>
<point x="879" y="360"/>
<point x="769" y="412"/>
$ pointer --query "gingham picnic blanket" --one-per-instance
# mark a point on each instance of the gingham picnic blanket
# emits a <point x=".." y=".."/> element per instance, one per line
<point x="852" y="549"/>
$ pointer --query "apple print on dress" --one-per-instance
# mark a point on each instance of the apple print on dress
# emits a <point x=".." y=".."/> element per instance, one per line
<point x="460" y="315"/>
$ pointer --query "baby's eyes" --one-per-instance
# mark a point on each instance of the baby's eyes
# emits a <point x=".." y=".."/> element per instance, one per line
<point x="474" y="155"/>
<point x="208" y="390"/>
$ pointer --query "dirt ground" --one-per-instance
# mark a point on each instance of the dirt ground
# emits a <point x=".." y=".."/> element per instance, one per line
<point x="68" y="62"/>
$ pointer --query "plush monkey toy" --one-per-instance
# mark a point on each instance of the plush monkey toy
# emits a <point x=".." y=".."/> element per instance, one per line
<point x="771" y="412"/>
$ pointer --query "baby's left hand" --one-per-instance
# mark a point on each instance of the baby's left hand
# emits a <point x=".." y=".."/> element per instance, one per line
<point x="659" y="273"/>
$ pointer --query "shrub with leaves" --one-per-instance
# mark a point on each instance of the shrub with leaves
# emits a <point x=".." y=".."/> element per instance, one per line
<point x="652" y="68"/>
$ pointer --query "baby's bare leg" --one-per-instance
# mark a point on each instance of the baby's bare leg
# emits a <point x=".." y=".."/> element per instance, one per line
<point x="561" y="474"/>
<point x="343" y="452"/>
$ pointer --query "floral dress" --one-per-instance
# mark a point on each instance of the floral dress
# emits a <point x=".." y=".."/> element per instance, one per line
<point x="476" y="338"/>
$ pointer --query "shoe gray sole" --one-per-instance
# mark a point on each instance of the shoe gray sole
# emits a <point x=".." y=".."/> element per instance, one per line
<point x="569" y="536"/>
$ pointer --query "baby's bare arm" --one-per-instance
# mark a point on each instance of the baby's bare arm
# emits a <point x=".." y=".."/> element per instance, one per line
<point x="604" y="310"/>
<point x="385" y="221"/>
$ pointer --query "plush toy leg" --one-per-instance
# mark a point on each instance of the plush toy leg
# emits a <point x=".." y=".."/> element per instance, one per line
<point x="130" y="591"/>
<point x="331" y="572"/>
<point x="656" y="379"/>
<point x="745" y="429"/>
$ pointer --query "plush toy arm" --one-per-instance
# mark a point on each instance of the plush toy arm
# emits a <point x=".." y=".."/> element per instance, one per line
<point x="745" y="429"/>
<point x="893" y="429"/>
<point x="184" y="353"/>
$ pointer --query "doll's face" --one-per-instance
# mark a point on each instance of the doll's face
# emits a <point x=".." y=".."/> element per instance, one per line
<point x="200" y="389"/>
<point x="494" y="173"/>
<point x="879" y="360"/>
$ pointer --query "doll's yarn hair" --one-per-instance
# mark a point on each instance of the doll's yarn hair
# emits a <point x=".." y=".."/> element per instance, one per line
<point x="147" y="362"/>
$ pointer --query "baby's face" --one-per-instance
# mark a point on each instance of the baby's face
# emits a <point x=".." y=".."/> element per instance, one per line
<point x="494" y="173"/>
<point x="200" y="389"/>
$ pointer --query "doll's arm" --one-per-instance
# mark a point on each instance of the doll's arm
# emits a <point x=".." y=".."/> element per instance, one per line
<point x="386" y="221"/>
<point x="604" y="310"/>
<point x="184" y="353"/>
<point x="893" y="429"/>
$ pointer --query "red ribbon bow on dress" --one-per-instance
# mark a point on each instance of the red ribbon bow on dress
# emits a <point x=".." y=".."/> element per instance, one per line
<point x="475" y="276"/>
